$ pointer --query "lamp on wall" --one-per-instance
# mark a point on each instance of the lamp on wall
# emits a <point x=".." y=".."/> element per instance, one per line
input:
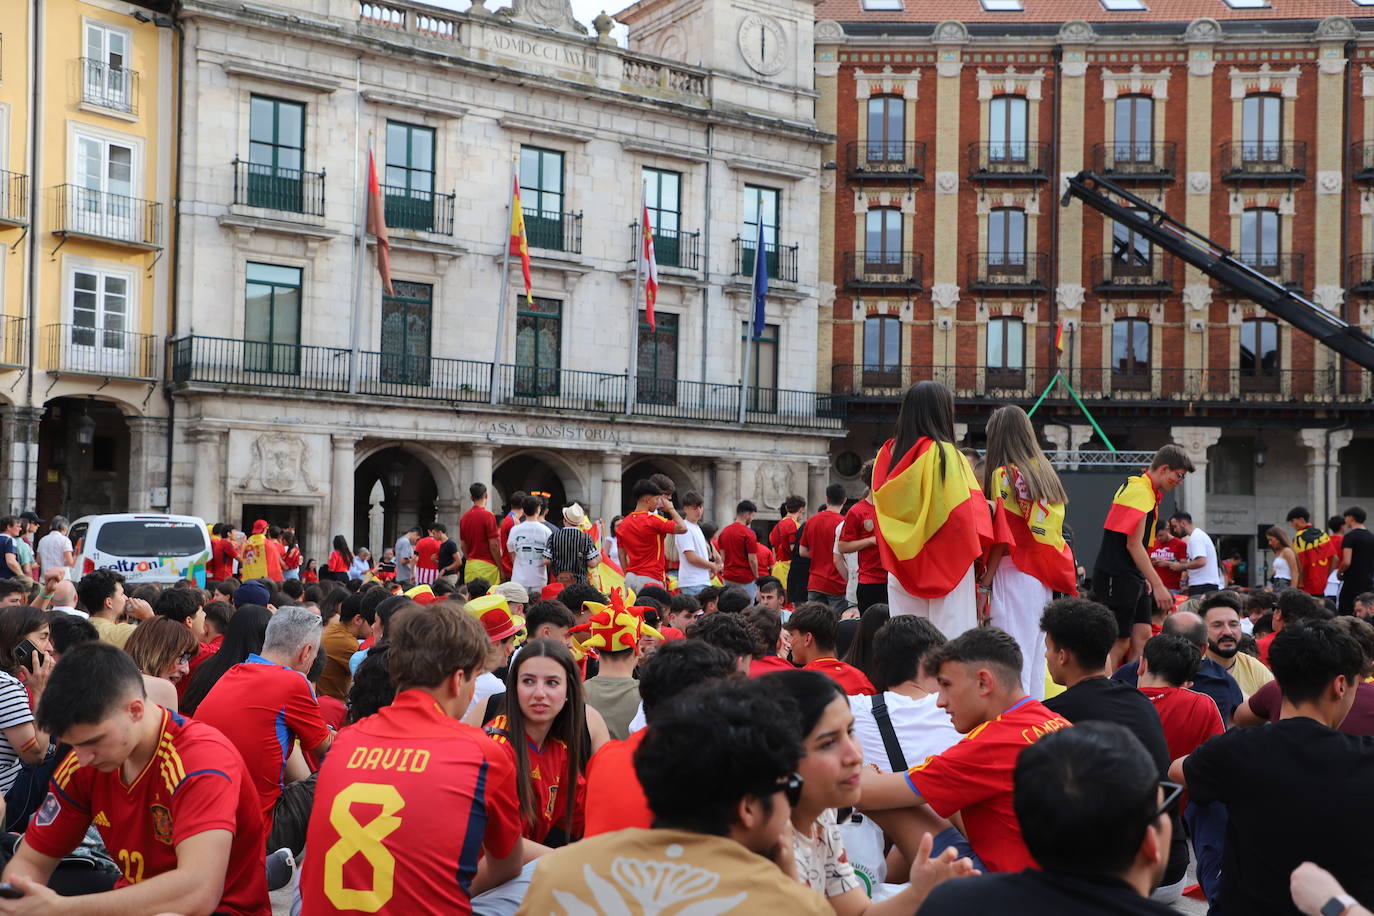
<point x="85" y="429"/>
<point x="1261" y="454"/>
<point x="395" y="476"/>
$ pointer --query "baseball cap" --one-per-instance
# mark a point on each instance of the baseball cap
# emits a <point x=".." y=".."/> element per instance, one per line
<point x="31" y="517"/>
<point x="422" y="594"/>
<point x="514" y="592"/>
<point x="259" y="526"/>
<point x="550" y="591"/>
<point x="493" y="612"/>
<point x="251" y="593"/>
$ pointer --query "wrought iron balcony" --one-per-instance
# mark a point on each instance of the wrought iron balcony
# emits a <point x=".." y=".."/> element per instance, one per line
<point x="92" y="214"/>
<point x="108" y="352"/>
<point x="14" y="343"/>
<point x="554" y="231"/>
<point x="14" y="199"/>
<point x="883" y="269"/>
<point x="1359" y="274"/>
<point x="258" y="364"/>
<point x="886" y="159"/>
<point x="1113" y="275"/>
<point x="1285" y="268"/>
<point x="1007" y="271"/>
<point x="273" y="188"/>
<point x="107" y="86"/>
<point x="781" y="260"/>
<point x="1362" y="160"/>
<point x="672" y="248"/>
<point x="1247" y="160"/>
<point x="419" y="211"/>
<point x="1008" y="160"/>
<point x="1140" y="161"/>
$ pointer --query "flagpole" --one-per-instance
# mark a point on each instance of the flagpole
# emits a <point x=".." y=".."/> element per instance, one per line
<point x="505" y="283"/>
<point x="359" y="226"/>
<point x="632" y="365"/>
<point x="749" y="337"/>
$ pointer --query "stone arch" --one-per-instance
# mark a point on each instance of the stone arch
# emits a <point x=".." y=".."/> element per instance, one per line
<point x="640" y="466"/>
<point x="520" y="469"/>
<point x="442" y="470"/>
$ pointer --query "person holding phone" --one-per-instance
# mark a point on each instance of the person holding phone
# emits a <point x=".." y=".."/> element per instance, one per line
<point x="25" y="663"/>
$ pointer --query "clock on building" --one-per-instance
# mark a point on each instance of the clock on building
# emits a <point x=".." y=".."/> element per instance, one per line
<point x="763" y="44"/>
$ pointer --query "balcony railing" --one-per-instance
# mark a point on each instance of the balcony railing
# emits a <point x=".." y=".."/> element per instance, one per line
<point x="1008" y="160"/>
<point x="1362" y="160"/>
<point x="1245" y="160"/>
<point x="1144" y="161"/>
<point x="664" y="77"/>
<point x="883" y="269"/>
<point x="1343" y="384"/>
<point x="781" y="260"/>
<point x="218" y="361"/>
<point x="554" y="231"/>
<point x="1007" y="271"/>
<point x="421" y="211"/>
<point x="405" y="19"/>
<point x="107" y="352"/>
<point x="886" y="159"/>
<point x="14" y="343"/>
<point x="1359" y="274"/>
<point x="273" y="188"/>
<point x="14" y="198"/>
<point x="672" y="248"/>
<point x="111" y="217"/>
<point x="1285" y="268"/>
<point x="1111" y="274"/>
<point x="108" y="86"/>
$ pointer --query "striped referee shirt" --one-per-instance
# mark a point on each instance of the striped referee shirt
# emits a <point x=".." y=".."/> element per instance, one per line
<point x="570" y="550"/>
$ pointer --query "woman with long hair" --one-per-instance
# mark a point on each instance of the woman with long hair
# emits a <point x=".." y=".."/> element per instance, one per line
<point x="1031" y="559"/>
<point x="163" y="647"/>
<point x="247" y="629"/>
<point x="541" y="724"/>
<point x="309" y="574"/>
<point x="1285" y="559"/>
<point x="340" y="560"/>
<point x="933" y="522"/>
<point x="860" y="652"/>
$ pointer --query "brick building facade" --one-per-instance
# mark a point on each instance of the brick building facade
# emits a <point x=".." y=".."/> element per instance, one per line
<point x="951" y="257"/>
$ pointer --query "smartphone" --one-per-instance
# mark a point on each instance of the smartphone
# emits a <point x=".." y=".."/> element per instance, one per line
<point x="9" y="891"/>
<point x="23" y="654"/>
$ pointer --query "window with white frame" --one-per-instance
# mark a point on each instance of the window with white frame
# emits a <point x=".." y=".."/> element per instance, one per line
<point x="102" y="199"/>
<point x="97" y="338"/>
<point x="105" y="66"/>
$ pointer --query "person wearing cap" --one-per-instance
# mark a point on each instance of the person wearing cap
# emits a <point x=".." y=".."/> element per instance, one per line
<point x="614" y="631"/>
<point x="502" y="626"/>
<point x="253" y="563"/>
<point x="516" y="595"/>
<point x="252" y="593"/>
<point x="570" y="551"/>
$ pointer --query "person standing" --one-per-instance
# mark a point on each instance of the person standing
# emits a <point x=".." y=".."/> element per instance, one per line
<point x="640" y="535"/>
<point x="783" y="534"/>
<point x="427" y="555"/>
<point x="449" y="558"/>
<point x="515" y="516"/>
<point x="1204" y="573"/>
<point x="695" y="566"/>
<point x="480" y="538"/>
<point x="1287" y="569"/>
<point x="738" y="548"/>
<point x="405" y="556"/>
<point x="255" y="552"/>
<point x="224" y="553"/>
<point x="55" y="548"/>
<point x="1335" y="526"/>
<point x="933" y="521"/>
<point x="570" y="552"/>
<point x="1357" y="560"/>
<point x="1031" y="560"/>
<point x="1168" y="549"/>
<point x="10" y="567"/>
<point x="859" y="535"/>
<point x="819" y="536"/>
<point x="28" y="527"/>
<point x="275" y="553"/>
<point x="1318" y="557"/>
<point x="525" y="543"/>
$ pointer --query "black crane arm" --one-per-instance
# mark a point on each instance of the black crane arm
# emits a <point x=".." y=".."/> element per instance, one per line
<point x="1147" y="220"/>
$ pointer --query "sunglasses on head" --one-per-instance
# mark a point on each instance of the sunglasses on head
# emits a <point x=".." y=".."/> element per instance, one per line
<point x="791" y="785"/>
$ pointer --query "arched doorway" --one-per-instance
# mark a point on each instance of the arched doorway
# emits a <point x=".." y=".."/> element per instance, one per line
<point x="643" y="468"/>
<point x="530" y="472"/>
<point x="83" y="458"/>
<point x="392" y="490"/>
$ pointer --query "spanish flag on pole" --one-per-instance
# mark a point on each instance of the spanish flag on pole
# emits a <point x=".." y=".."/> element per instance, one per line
<point x="519" y="243"/>
<point x="1034" y="533"/>
<point x="1135" y="499"/>
<point x="650" y="269"/>
<point x="931" y="527"/>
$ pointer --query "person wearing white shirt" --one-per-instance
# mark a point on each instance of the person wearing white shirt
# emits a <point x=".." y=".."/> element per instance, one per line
<point x="55" y="548"/>
<point x="1204" y="575"/>
<point x="695" y="567"/>
<point x="64" y="599"/>
<point x="526" y="543"/>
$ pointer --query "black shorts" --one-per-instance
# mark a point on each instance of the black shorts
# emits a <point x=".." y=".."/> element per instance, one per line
<point x="1128" y="598"/>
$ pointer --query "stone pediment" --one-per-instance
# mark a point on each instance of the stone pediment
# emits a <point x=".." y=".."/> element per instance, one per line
<point x="546" y="14"/>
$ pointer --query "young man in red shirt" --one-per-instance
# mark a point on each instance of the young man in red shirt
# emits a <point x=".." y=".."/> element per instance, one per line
<point x="1165" y="550"/>
<point x="168" y="796"/>
<point x="813" y="627"/>
<point x="480" y="538"/>
<point x="639" y="537"/>
<point x="515" y="516"/>
<point x="979" y="673"/>
<point x="859" y="535"/>
<point x="265" y="704"/>
<point x="783" y="534"/>
<point x="1168" y="665"/>
<point x="739" y="550"/>
<point x="818" y="543"/>
<point x="410" y="798"/>
<point x="1317" y="554"/>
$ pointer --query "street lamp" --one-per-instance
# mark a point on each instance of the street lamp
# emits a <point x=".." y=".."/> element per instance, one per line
<point x="1261" y="454"/>
<point x="395" y="476"/>
<point x="85" y="429"/>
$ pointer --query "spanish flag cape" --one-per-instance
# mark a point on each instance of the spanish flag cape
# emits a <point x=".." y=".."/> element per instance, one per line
<point x="930" y="529"/>
<point x="1033" y="531"/>
<point x="1314" y="548"/>
<point x="1135" y="499"/>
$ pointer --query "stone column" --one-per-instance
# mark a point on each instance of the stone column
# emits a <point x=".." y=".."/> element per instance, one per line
<point x="481" y="467"/>
<point x="1068" y="440"/>
<point x="341" y="506"/>
<point x="1313" y="443"/>
<point x="19" y="458"/>
<point x="147" y="462"/>
<point x="817" y="479"/>
<point x="208" y="473"/>
<point x="726" y="494"/>
<point x="446" y="513"/>
<point x="612" y="475"/>
<point x="1196" y="440"/>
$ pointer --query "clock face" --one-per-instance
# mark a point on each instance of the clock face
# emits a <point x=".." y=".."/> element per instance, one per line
<point x="763" y="44"/>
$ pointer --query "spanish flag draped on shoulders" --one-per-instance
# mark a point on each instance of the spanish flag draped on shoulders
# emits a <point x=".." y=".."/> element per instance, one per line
<point x="933" y="521"/>
<point x="1135" y="499"/>
<point x="1033" y="532"/>
<point x="1315" y="552"/>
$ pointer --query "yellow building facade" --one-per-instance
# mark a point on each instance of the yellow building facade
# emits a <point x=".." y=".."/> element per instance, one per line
<point x="88" y="126"/>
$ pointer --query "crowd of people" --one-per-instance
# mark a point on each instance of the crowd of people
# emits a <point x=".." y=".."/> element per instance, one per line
<point x="917" y="703"/>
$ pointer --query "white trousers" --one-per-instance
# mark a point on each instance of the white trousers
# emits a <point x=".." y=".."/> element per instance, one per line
<point x="1017" y="603"/>
<point x="952" y="614"/>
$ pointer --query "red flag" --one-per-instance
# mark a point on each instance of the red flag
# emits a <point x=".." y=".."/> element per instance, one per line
<point x="376" y="224"/>
<point x="519" y="243"/>
<point x="650" y="269"/>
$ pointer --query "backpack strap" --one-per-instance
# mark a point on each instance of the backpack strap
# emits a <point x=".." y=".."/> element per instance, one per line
<point x="895" y="757"/>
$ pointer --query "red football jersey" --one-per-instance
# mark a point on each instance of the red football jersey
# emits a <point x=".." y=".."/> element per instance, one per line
<point x="854" y="681"/>
<point x="640" y="535"/>
<point x="548" y="770"/>
<point x="476" y="529"/>
<point x="737" y="541"/>
<point x="861" y="521"/>
<point x="503" y="534"/>
<point x="781" y="538"/>
<point x="427" y="553"/>
<point x="1175" y="549"/>
<point x="614" y="785"/>
<point x="404" y="804"/>
<point x="1189" y="718"/>
<point x="263" y="708"/>
<point x="974" y="777"/>
<point x="193" y="783"/>
<point x="769" y="664"/>
<point x="819" y="539"/>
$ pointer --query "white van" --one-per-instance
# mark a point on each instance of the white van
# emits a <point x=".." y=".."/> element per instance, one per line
<point x="144" y="547"/>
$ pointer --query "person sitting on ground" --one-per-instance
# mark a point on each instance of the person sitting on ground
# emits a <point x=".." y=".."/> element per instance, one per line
<point x="1293" y="606"/>
<point x="618" y="798"/>
<point x="374" y="601"/>
<point x="979" y="676"/>
<point x="1210" y="679"/>
<point x="101" y="593"/>
<point x="247" y="630"/>
<point x="1094" y="816"/>
<point x="709" y="598"/>
<point x="732" y="600"/>
<point x="163" y="648"/>
<point x="443" y="814"/>
<point x="1168" y="666"/>
<point x="217" y="614"/>
<point x="729" y="632"/>
<point x="1221" y="614"/>
<point x="813" y="626"/>
<point x="576" y="596"/>
<point x="1317" y="893"/>
<point x="1266" y="705"/>
<point x="719" y="771"/>
<point x="769" y="653"/>
<point x="502" y="628"/>
<point x="615" y="633"/>
<point x="1321" y="817"/>
<point x="683" y="611"/>
<point x="341" y="639"/>
<point x="25" y="665"/>
<point x="169" y="793"/>
<point x="265" y="705"/>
